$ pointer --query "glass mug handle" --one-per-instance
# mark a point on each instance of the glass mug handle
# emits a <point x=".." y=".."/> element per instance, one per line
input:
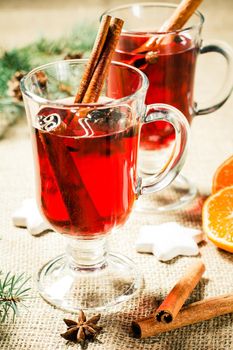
<point x="226" y="51"/>
<point x="161" y="179"/>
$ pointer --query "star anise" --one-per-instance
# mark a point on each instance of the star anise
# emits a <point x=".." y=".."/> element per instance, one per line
<point x="82" y="329"/>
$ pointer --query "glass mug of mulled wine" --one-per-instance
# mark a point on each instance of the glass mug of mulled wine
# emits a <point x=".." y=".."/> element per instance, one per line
<point x="170" y="68"/>
<point x="85" y="158"/>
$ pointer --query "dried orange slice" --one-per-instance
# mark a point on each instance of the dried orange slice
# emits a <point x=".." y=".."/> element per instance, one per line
<point x="217" y="218"/>
<point x="223" y="176"/>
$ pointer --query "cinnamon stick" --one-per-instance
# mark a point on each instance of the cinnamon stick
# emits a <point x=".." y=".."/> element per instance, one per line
<point x="98" y="65"/>
<point x="94" y="58"/>
<point x="196" y="312"/>
<point x="180" y="16"/>
<point x="94" y="89"/>
<point x="89" y="91"/>
<point x="172" y="304"/>
<point x="69" y="176"/>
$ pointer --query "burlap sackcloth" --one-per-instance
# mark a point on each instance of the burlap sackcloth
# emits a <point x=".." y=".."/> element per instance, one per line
<point x="38" y="327"/>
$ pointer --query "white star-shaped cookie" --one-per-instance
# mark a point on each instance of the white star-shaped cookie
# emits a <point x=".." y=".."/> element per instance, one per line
<point x="168" y="240"/>
<point x="28" y="216"/>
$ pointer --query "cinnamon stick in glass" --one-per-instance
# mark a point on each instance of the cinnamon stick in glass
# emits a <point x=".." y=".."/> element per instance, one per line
<point x="90" y="89"/>
<point x="69" y="175"/>
<point x="196" y="312"/>
<point x="172" y="304"/>
<point x="180" y="16"/>
<point x="94" y="58"/>
<point x="98" y="65"/>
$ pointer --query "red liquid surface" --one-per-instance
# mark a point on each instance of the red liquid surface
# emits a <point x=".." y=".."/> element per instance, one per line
<point x="171" y="80"/>
<point x="86" y="176"/>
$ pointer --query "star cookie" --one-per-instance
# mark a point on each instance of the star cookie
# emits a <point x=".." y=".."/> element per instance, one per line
<point x="28" y="216"/>
<point x="166" y="241"/>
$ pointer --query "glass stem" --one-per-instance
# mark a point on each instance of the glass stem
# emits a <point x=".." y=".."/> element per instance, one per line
<point x="87" y="254"/>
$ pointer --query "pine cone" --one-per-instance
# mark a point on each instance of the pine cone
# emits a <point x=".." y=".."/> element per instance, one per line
<point x="74" y="55"/>
<point x="14" y="86"/>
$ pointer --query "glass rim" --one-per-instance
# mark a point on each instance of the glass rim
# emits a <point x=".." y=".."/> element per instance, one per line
<point x="110" y="102"/>
<point x="156" y="4"/>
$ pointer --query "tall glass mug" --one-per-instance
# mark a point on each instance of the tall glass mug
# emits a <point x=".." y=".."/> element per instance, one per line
<point x="85" y="160"/>
<point x="170" y="69"/>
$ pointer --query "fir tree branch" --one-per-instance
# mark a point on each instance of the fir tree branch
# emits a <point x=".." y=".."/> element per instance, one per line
<point x="40" y="52"/>
<point x="13" y="291"/>
<point x="43" y="51"/>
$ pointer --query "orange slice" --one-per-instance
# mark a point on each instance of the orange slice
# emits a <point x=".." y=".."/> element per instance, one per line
<point x="217" y="218"/>
<point x="223" y="176"/>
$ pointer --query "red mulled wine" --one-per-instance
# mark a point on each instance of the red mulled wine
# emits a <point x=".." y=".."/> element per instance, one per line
<point x="171" y="79"/>
<point x="86" y="169"/>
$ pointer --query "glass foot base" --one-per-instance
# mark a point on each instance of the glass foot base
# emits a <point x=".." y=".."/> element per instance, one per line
<point x="71" y="288"/>
<point x="175" y="196"/>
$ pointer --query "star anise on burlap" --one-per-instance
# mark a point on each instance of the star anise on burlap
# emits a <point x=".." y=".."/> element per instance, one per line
<point x="82" y="329"/>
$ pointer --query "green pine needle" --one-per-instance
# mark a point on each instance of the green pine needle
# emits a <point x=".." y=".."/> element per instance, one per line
<point x="13" y="291"/>
<point x="11" y="62"/>
<point x="40" y="52"/>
